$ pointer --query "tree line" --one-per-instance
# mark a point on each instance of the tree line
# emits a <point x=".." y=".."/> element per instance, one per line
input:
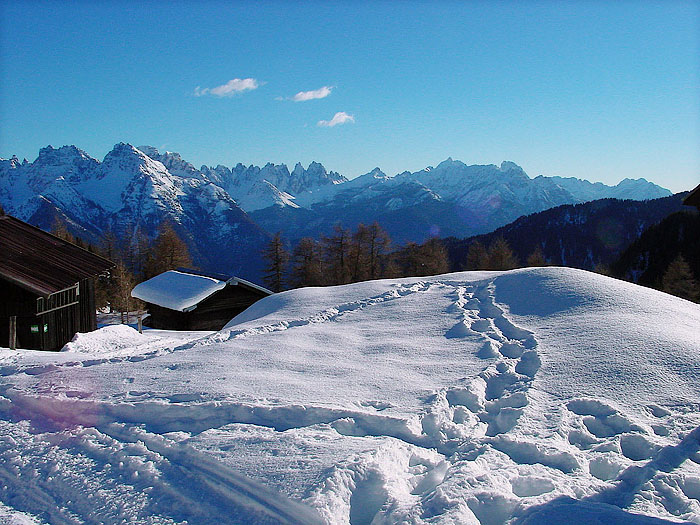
<point x="344" y="256"/>
<point x="347" y="256"/>
<point x="136" y="257"/>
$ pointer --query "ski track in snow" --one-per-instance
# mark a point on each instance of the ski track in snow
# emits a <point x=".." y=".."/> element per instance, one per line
<point x="458" y="423"/>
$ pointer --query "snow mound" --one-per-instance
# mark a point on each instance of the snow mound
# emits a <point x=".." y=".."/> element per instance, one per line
<point x="532" y="396"/>
<point x="106" y="339"/>
<point x="177" y="290"/>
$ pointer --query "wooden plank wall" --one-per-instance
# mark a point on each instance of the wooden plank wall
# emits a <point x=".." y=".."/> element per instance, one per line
<point x="61" y="325"/>
<point x="211" y="314"/>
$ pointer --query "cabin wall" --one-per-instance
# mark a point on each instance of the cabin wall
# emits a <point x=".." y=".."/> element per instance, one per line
<point x="88" y="309"/>
<point x="211" y="314"/>
<point x="165" y="318"/>
<point x="22" y="304"/>
<point x="49" y="331"/>
<point x="218" y="309"/>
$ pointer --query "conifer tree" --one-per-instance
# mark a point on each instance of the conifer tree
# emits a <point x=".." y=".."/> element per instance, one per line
<point x="378" y="242"/>
<point x="408" y="260"/>
<point x="59" y="228"/>
<point x="429" y="258"/>
<point x="122" y="282"/>
<point x="434" y="259"/>
<point x="501" y="257"/>
<point x="536" y="258"/>
<point x="169" y="252"/>
<point x="336" y="255"/>
<point x="109" y="246"/>
<point x="358" y="256"/>
<point x="679" y="280"/>
<point x="306" y="264"/>
<point x="477" y="257"/>
<point x="277" y="258"/>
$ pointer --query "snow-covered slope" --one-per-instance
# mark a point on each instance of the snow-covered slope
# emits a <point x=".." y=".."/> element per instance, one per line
<point x="535" y="396"/>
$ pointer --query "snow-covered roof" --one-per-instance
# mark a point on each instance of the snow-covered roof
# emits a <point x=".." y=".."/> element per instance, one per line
<point x="183" y="290"/>
<point x="177" y="290"/>
<point x="237" y="280"/>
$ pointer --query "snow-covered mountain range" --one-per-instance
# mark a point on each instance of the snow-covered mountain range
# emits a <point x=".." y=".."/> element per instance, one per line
<point x="129" y="191"/>
<point x="217" y="208"/>
<point x="452" y="199"/>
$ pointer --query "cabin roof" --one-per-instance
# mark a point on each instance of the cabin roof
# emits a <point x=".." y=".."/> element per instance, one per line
<point x="40" y="262"/>
<point x="693" y="198"/>
<point x="183" y="289"/>
<point x="231" y="279"/>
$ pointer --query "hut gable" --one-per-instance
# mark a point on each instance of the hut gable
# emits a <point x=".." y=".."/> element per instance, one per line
<point x="693" y="198"/>
<point x="47" y="284"/>
<point x="186" y="299"/>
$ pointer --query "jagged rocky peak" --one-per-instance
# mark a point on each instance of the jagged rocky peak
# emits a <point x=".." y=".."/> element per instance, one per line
<point x="69" y="162"/>
<point x="172" y="161"/>
<point x="508" y="165"/>
<point x="449" y="163"/>
<point x="65" y="154"/>
<point x="377" y="173"/>
<point x="126" y="159"/>
<point x="124" y="149"/>
<point x="317" y="172"/>
<point x="150" y="151"/>
<point x="13" y="162"/>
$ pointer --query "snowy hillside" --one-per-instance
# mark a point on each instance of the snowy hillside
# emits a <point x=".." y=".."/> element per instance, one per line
<point x="535" y="396"/>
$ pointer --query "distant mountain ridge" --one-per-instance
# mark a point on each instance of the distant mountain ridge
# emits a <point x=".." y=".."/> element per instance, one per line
<point x="582" y="235"/>
<point x="226" y="214"/>
<point x="452" y="199"/>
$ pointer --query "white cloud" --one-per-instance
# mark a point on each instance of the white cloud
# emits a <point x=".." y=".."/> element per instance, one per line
<point x="232" y="87"/>
<point x="322" y="92"/>
<point x="339" y="118"/>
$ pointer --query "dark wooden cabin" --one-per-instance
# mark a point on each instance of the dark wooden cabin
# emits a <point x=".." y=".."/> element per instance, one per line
<point x="693" y="198"/>
<point x="185" y="299"/>
<point x="47" y="284"/>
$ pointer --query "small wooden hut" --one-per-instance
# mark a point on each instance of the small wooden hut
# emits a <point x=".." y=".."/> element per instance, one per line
<point x="693" y="198"/>
<point x="47" y="287"/>
<point x="185" y="299"/>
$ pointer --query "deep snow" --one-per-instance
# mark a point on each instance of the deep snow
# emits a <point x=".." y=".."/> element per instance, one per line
<point x="532" y="396"/>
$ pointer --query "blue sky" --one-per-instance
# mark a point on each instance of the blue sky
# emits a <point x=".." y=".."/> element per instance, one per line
<point x="588" y="89"/>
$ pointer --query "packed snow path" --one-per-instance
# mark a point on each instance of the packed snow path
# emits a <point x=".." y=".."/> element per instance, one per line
<point x="533" y="396"/>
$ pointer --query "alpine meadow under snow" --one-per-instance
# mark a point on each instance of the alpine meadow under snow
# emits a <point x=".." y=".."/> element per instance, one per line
<point x="534" y="396"/>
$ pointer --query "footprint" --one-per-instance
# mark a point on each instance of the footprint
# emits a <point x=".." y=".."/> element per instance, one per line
<point x="512" y="350"/>
<point x="604" y="468"/>
<point x="529" y="364"/>
<point x="636" y="447"/>
<point x="497" y="384"/>
<point x="525" y="487"/>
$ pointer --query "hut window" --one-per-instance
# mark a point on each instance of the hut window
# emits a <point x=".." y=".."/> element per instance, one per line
<point x="58" y="300"/>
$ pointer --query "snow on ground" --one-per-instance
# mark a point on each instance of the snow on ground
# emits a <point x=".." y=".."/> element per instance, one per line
<point x="535" y="396"/>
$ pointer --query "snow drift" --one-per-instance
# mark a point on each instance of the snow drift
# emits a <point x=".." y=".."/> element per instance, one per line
<point x="532" y="396"/>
